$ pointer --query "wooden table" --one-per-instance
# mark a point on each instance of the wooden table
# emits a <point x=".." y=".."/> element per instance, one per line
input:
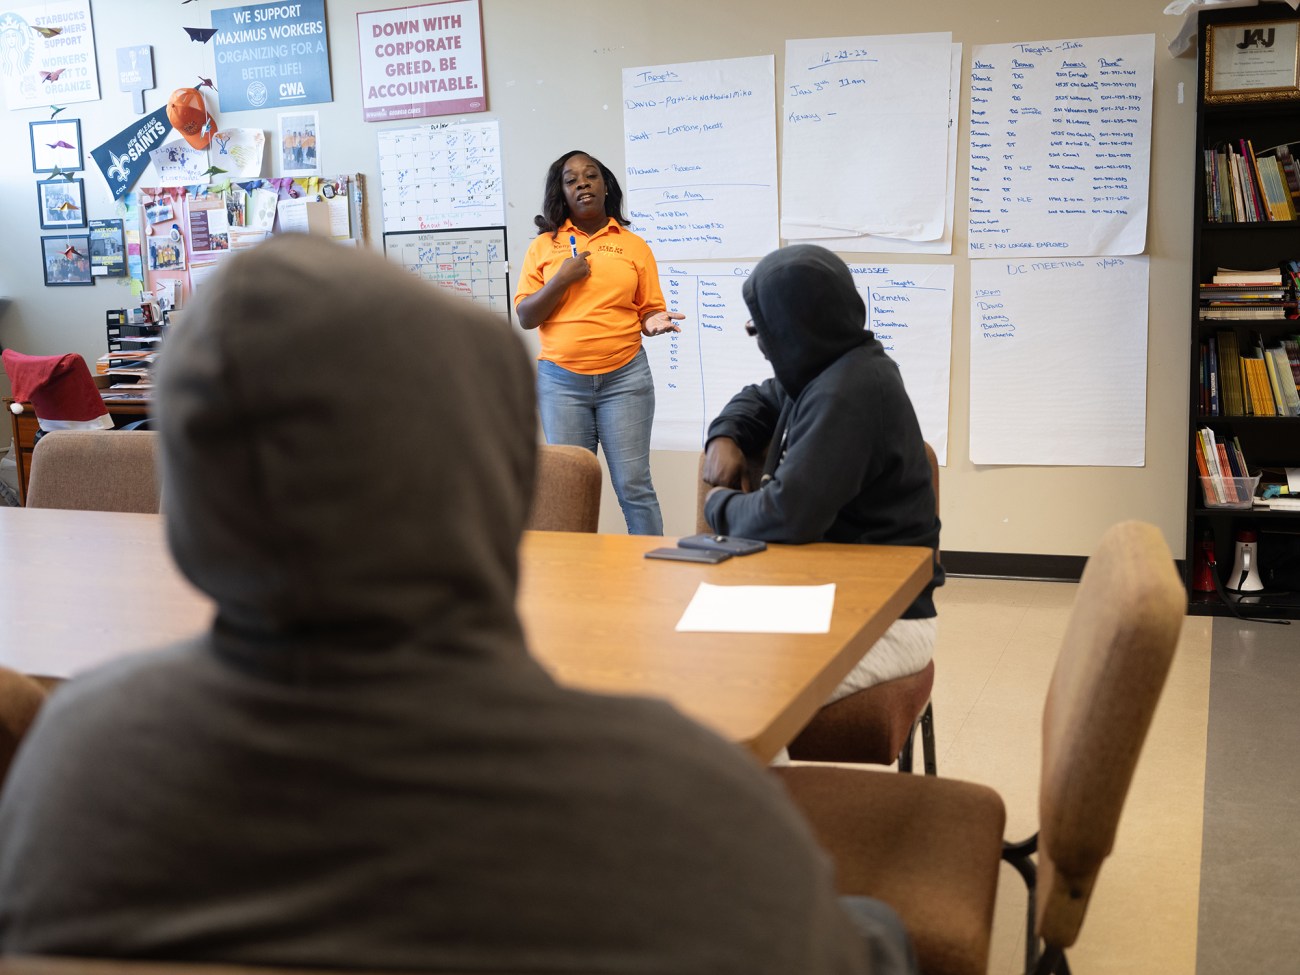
<point x="85" y="587"/>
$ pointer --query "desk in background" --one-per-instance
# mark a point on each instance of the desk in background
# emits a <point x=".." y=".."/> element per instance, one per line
<point x="84" y="587"/>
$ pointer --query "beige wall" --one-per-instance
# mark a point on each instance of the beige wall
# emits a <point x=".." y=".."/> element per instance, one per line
<point x="554" y="76"/>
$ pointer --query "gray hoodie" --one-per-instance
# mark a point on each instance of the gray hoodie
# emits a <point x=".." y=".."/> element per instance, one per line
<point x="360" y="765"/>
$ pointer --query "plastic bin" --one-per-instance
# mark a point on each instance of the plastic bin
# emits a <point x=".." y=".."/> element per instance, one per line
<point x="1231" y="492"/>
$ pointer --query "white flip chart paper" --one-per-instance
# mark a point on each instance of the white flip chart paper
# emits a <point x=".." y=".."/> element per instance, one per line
<point x="1060" y="156"/>
<point x="700" y="145"/>
<point x="874" y="244"/>
<point x="697" y="371"/>
<point x="1058" y="361"/>
<point x="865" y="136"/>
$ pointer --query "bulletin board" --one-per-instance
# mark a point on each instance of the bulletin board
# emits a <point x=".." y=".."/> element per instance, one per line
<point x="470" y="262"/>
<point x="188" y="231"/>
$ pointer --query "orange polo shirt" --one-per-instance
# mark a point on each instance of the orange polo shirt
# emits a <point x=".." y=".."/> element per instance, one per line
<point x="596" y="327"/>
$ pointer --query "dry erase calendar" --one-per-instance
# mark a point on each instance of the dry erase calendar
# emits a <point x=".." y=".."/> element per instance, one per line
<point x="470" y="262"/>
<point x="442" y="175"/>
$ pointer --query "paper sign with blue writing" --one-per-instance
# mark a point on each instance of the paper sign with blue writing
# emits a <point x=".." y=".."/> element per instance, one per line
<point x="1058" y="361"/>
<point x="909" y="309"/>
<point x="125" y="156"/>
<point x="271" y="55"/>
<point x="49" y="53"/>
<point x="700" y="145"/>
<point x="878" y="244"/>
<point x="1060" y="136"/>
<point x="442" y="175"/>
<point x="878" y="107"/>
<point x="698" y="370"/>
<point x="177" y="163"/>
<point x="422" y="60"/>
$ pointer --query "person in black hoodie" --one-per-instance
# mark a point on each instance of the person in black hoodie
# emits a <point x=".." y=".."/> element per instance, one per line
<point x="845" y="459"/>
<point x="360" y="765"/>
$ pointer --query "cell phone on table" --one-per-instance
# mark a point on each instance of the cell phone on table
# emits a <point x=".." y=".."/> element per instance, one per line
<point x="710" y="556"/>
<point x="722" y="543"/>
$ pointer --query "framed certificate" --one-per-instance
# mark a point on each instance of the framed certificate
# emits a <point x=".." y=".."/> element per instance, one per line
<point x="1251" y="62"/>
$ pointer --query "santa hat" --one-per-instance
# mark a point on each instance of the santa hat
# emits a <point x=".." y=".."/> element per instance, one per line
<point x="59" y="387"/>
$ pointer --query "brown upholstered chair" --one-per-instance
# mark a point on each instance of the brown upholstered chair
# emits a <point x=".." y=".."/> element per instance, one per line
<point x="96" y="470"/>
<point x="20" y="699"/>
<point x="567" y="495"/>
<point x="873" y="726"/>
<point x="930" y="847"/>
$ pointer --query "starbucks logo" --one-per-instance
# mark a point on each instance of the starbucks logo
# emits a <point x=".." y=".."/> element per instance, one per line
<point x="257" y="94"/>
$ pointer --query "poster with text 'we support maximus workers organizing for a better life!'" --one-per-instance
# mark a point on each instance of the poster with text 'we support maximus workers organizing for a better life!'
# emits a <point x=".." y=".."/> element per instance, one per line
<point x="271" y="55"/>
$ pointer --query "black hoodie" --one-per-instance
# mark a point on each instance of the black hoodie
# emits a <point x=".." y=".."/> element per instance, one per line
<point x="846" y="462"/>
<point x="360" y="765"/>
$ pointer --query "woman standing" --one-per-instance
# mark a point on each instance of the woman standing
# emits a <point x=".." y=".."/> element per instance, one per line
<point x="592" y="287"/>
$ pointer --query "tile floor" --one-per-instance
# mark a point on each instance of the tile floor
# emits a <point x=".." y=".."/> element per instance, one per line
<point x="996" y="649"/>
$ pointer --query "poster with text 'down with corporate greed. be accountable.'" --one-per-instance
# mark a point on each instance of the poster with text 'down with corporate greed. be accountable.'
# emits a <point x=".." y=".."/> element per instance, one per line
<point x="697" y="371"/>
<point x="700" y="147"/>
<point x="1060" y="146"/>
<point x="1058" y="361"/>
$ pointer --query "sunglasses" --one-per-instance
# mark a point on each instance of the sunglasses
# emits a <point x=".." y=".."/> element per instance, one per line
<point x="750" y="330"/>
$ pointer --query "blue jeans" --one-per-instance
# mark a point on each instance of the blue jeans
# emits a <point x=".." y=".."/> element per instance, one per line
<point x="614" y="410"/>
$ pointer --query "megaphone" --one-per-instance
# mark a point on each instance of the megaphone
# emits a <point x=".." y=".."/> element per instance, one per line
<point x="1245" y="566"/>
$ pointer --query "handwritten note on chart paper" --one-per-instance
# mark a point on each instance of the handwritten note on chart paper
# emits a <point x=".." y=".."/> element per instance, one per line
<point x="909" y="308"/>
<point x="1060" y="155"/>
<point x="700" y="145"/>
<point x="1058" y="361"/>
<point x="876" y="244"/>
<point x="877" y="108"/>
<point x="697" y="371"/>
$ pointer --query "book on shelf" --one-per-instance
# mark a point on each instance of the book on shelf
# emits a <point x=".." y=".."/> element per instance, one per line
<point x="1230" y="373"/>
<point x="1284" y="388"/>
<point x="1228" y="275"/>
<point x="1222" y="468"/>
<point x="1245" y="186"/>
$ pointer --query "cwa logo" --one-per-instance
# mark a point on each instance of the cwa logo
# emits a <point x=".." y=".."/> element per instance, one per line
<point x="1256" y="38"/>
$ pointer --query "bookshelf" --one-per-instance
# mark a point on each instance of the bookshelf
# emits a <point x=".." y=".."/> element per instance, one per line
<point x="1267" y="440"/>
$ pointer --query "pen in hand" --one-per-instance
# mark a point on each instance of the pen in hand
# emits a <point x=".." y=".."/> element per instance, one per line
<point x="573" y="245"/>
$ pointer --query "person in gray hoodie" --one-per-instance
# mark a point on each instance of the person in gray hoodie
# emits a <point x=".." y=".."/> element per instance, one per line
<point x="359" y="764"/>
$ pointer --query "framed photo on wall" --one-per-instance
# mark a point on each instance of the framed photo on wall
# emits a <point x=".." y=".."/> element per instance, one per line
<point x="1254" y="62"/>
<point x="56" y="145"/>
<point x="62" y="203"/>
<point x="65" y="259"/>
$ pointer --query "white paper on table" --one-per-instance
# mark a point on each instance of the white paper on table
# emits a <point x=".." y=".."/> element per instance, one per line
<point x="759" y="609"/>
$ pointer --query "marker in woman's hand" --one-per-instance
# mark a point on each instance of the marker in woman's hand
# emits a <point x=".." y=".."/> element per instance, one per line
<point x="573" y="245"/>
